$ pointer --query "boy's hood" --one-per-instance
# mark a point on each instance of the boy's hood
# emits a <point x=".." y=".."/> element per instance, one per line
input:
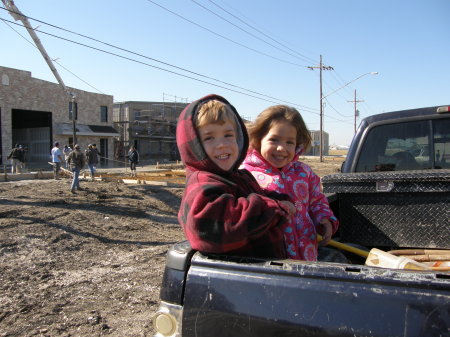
<point x="191" y="150"/>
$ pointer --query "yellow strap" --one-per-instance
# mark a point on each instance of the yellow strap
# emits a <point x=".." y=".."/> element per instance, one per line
<point x="343" y="246"/>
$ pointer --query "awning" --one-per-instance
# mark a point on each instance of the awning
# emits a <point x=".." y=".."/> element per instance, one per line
<point x="66" y="129"/>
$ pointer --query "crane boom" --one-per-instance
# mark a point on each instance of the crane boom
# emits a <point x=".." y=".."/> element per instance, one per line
<point x="18" y="16"/>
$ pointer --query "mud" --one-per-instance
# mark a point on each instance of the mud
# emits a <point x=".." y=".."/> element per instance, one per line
<point x="88" y="264"/>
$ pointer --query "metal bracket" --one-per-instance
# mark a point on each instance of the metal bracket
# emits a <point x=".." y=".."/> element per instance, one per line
<point x="384" y="186"/>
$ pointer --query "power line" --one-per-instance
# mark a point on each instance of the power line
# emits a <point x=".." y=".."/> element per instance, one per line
<point x="224" y="37"/>
<point x="306" y="58"/>
<point x="54" y="60"/>
<point x="305" y="108"/>
<point x="332" y="107"/>
<point x="156" y="60"/>
<point x="242" y="29"/>
<point x="270" y="98"/>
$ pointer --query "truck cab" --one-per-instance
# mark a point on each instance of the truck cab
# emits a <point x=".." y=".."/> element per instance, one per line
<point x="417" y="139"/>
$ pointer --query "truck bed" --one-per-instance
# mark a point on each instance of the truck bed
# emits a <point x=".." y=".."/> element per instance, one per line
<point x="231" y="296"/>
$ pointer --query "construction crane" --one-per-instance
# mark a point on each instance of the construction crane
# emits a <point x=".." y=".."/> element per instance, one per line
<point x="18" y="16"/>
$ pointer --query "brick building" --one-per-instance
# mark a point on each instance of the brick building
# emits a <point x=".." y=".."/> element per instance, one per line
<point x="150" y="126"/>
<point x="35" y="113"/>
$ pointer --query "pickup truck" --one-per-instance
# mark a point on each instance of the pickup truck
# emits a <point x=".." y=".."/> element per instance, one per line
<point x="382" y="203"/>
<point x="401" y="140"/>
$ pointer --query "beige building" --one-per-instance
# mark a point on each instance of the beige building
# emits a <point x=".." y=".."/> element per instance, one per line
<point x="150" y="126"/>
<point x="314" y="150"/>
<point x="36" y="114"/>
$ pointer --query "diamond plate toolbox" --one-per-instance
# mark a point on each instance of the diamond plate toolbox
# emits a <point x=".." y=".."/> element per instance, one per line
<point x="393" y="209"/>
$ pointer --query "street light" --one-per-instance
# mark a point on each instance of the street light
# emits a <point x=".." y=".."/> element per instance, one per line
<point x="321" y="107"/>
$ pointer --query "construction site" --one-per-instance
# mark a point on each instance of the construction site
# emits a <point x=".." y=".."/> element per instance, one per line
<point x="90" y="263"/>
<point x="36" y="114"/>
<point x="172" y="174"/>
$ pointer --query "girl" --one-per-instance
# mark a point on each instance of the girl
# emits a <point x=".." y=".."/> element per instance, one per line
<point x="277" y="138"/>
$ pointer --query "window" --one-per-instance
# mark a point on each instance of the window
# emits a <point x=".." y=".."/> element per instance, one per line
<point x="441" y="142"/>
<point x="406" y="146"/>
<point x="70" y="110"/>
<point x="5" y="79"/>
<point x="103" y="113"/>
<point x="393" y="147"/>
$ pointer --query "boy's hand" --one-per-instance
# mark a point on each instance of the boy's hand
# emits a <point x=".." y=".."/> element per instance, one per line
<point x="290" y="206"/>
<point x="327" y="232"/>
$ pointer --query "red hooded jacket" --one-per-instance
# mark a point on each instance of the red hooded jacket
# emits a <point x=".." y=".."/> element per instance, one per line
<point x="225" y="211"/>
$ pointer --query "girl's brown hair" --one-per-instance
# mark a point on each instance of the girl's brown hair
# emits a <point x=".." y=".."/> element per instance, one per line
<point x="278" y="113"/>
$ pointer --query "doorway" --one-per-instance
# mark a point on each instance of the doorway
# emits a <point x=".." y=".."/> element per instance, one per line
<point x="33" y="130"/>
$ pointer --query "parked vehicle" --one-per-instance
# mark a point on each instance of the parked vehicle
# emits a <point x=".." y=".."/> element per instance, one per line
<point x="401" y="140"/>
<point x="387" y="208"/>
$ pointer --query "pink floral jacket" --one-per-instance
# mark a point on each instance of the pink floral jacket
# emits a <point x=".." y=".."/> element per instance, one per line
<point x="302" y="185"/>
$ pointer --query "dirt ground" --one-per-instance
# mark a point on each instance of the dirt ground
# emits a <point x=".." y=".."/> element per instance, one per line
<point x="88" y="264"/>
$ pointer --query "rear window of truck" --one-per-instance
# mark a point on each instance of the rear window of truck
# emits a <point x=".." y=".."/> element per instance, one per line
<point x="406" y="146"/>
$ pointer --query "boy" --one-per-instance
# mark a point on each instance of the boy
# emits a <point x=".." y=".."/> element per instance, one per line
<point x="223" y="209"/>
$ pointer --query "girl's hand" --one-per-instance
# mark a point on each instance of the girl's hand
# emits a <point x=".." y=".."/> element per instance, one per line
<point x="290" y="206"/>
<point x="327" y="232"/>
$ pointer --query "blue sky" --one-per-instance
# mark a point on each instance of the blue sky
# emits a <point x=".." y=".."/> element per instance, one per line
<point x="262" y="50"/>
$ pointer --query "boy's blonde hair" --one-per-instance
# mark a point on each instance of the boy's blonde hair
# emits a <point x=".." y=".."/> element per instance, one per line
<point x="214" y="112"/>
<point x="278" y="113"/>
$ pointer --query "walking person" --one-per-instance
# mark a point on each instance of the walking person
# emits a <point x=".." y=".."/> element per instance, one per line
<point x="92" y="158"/>
<point x="66" y="151"/>
<point x="133" y="156"/>
<point x="57" y="159"/>
<point x="16" y="156"/>
<point x="76" y="161"/>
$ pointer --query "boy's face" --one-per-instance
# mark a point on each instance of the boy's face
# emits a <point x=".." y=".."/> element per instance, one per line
<point x="220" y="144"/>
<point x="278" y="145"/>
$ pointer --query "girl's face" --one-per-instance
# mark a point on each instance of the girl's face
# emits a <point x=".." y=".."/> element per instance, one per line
<point x="278" y="145"/>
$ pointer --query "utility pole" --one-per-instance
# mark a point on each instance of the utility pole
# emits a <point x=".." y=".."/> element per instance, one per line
<point x="356" y="111"/>
<point x="321" y="67"/>
<point x="74" y="113"/>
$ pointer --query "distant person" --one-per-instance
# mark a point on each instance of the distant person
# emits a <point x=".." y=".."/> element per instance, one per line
<point x="133" y="157"/>
<point x="16" y="156"/>
<point x="223" y="209"/>
<point x="24" y="150"/>
<point x="57" y="159"/>
<point x="67" y="149"/>
<point x="92" y="158"/>
<point x="438" y="156"/>
<point x="76" y="161"/>
<point x="278" y="137"/>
